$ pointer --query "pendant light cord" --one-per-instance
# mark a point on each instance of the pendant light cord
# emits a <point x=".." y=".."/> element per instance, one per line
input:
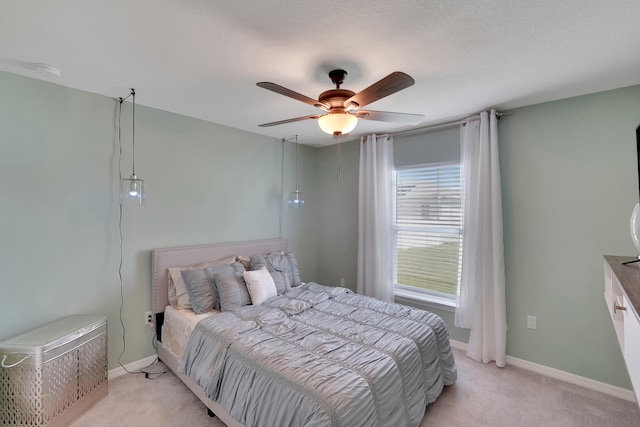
<point x="133" y="129"/>
<point x="281" y="213"/>
<point x="295" y="198"/>
<point x="339" y="162"/>
<point x="296" y="164"/>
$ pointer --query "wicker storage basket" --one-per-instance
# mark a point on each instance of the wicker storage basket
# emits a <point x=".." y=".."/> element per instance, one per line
<point x="52" y="374"/>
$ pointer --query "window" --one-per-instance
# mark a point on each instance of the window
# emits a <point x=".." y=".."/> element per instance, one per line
<point x="428" y="231"/>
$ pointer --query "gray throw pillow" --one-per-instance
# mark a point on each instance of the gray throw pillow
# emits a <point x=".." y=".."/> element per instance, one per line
<point x="287" y="264"/>
<point x="212" y="271"/>
<point x="237" y="267"/>
<point x="201" y="292"/>
<point x="257" y="262"/>
<point x="295" y="273"/>
<point x="281" y="281"/>
<point x="232" y="291"/>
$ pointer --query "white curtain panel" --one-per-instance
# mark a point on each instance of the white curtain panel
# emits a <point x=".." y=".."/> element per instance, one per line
<point x="375" y="221"/>
<point x="481" y="300"/>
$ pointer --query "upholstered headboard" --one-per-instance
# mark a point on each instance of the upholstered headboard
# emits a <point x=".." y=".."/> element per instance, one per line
<point x="164" y="258"/>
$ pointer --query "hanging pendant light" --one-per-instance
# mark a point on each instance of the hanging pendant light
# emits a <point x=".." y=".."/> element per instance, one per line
<point x="132" y="189"/>
<point x="296" y="198"/>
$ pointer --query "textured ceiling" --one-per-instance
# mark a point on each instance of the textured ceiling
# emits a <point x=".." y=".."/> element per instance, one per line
<point x="202" y="58"/>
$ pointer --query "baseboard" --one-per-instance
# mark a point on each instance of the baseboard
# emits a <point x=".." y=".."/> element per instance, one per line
<point x="132" y="367"/>
<point x="619" y="392"/>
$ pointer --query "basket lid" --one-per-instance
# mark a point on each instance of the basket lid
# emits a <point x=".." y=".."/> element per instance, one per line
<point x="53" y="334"/>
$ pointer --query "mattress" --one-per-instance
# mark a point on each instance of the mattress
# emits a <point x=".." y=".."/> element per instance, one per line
<point x="177" y="328"/>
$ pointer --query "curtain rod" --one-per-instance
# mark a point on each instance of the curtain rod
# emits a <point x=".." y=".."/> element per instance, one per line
<point x="446" y="124"/>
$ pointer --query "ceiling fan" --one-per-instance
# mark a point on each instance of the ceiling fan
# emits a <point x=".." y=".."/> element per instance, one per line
<point x="342" y="106"/>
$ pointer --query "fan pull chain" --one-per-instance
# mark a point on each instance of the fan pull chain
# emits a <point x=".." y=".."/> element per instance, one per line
<point x="339" y="159"/>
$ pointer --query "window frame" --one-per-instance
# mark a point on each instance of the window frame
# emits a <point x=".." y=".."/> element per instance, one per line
<point x="429" y="297"/>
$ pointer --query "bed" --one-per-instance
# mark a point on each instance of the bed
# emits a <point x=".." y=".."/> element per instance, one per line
<point x="312" y="355"/>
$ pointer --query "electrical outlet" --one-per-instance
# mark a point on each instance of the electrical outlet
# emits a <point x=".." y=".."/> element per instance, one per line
<point x="148" y="319"/>
<point x="342" y="282"/>
<point x="532" y="322"/>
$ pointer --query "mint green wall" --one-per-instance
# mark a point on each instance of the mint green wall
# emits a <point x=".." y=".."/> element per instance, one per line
<point x="569" y="184"/>
<point x="59" y="240"/>
<point x="440" y="145"/>
<point x="337" y="213"/>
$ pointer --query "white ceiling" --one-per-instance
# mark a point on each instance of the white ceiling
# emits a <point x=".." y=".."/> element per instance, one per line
<point x="202" y="58"/>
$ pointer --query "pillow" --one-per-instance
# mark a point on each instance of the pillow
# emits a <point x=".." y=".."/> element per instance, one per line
<point x="245" y="260"/>
<point x="232" y="291"/>
<point x="178" y="294"/>
<point x="200" y="286"/>
<point x="281" y="282"/>
<point x="201" y="293"/>
<point x="286" y="264"/>
<point x="260" y="284"/>
<point x="295" y="273"/>
<point x="238" y="267"/>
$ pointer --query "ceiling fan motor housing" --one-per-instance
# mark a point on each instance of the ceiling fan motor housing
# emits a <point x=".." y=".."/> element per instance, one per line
<point x="335" y="97"/>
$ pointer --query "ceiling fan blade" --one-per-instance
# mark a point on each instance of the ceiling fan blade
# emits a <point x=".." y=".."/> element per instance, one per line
<point x="297" y="119"/>
<point x="393" y="83"/>
<point x="385" y="116"/>
<point x="292" y="94"/>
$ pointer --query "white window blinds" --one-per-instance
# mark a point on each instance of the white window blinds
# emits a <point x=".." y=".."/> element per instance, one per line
<point x="428" y="225"/>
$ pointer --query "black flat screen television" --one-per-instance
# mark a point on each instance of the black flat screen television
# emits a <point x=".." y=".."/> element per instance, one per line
<point x="638" y="151"/>
<point x="635" y="235"/>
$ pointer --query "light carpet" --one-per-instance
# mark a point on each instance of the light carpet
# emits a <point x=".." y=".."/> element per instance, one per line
<point x="484" y="395"/>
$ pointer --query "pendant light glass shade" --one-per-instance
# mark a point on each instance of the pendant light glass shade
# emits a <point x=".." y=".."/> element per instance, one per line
<point x="132" y="191"/>
<point x="337" y="123"/>
<point x="296" y="199"/>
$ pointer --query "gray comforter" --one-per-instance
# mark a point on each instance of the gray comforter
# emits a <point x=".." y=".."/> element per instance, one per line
<point x="322" y="356"/>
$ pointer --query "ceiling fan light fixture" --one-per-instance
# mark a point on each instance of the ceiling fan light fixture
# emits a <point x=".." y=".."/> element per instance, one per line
<point x="337" y="123"/>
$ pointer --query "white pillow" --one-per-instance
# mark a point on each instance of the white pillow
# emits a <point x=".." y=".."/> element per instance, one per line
<point x="178" y="294"/>
<point x="260" y="285"/>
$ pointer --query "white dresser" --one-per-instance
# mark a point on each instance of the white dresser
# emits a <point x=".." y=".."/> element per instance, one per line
<point x="622" y="294"/>
<point x="52" y="374"/>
